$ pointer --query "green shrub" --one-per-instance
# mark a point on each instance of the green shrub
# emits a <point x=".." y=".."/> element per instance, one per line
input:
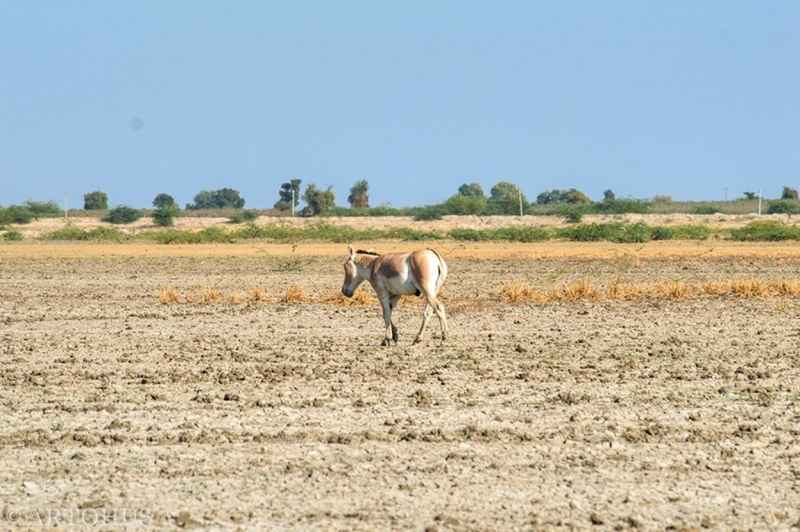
<point x="15" y="214"/>
<point x="70" y="232"/>
<point x="572" y="215"/>
<point x="122" y="215"/>
<point x="381" y="210"/>
<point x="243" y="216"/>
<point x="175" y="236"/>
<point x="622" y="206"/>
<point x="766" y="231"/>
<point x="472" y="235"/>
<point x="433" y="212"/>
<point x="783" y="207"/>
<point x="662" y="233"/>
<point x="508" y="234"/>
<point x="11" y="236"/>
<point x="165" y="216"/>
<point x="43" y="209"/>
<point x="409" y="233"/>
<point x="705" y="209"/>
<point x="520" y="234"/>
<point x="691" y="232"/>
<point x="590" y="232"/>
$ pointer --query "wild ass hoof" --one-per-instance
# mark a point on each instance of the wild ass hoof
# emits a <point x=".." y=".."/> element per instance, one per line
<point x="386" y="342"/>
<point x="417" y="340"/>
<point x="395" y="336"/>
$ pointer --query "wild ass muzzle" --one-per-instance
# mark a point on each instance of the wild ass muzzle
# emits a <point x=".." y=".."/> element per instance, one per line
<point x="393" y="275"/>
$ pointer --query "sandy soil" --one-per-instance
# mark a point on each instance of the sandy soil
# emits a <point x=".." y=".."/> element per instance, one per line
<point x="46" y="225"/>
<point x="117" y="409"/>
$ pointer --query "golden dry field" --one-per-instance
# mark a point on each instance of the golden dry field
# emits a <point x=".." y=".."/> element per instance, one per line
<point x="615" y="386"/>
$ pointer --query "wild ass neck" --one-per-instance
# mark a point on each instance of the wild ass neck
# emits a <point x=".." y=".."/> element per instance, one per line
<point x="364" y="264"/>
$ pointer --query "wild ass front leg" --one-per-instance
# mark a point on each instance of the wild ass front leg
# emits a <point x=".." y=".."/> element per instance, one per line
<point x="387" y="321"/>
<point x="392" y="305"/>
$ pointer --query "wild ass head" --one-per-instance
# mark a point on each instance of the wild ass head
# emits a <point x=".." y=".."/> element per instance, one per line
<point x="354" y="273"/>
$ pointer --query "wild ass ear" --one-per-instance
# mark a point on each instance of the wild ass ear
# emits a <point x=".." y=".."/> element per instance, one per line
<point x="350" y="251"/>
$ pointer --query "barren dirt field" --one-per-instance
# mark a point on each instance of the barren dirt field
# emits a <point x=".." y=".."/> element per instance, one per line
<point x="156" y="386"/>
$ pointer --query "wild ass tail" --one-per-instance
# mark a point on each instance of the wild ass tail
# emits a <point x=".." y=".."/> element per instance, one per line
<point x="442" y="270"/>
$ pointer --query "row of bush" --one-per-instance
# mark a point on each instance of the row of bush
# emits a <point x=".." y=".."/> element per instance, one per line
<point x="593" y="232"/>
<point x="610" y="232"/>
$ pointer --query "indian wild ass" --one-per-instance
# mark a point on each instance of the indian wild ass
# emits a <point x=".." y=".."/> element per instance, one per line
<point x="392" y="275"/>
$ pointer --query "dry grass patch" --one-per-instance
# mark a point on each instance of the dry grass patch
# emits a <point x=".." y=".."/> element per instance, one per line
<point x="257" y="295"/>
<point x="207" y="296"/>
<point x="578" y="290"/>
<point x="294" y="294"/>
<point x="169" y="296"/>
<point x="360" y="298"/>
<point x="616" y="290"/>
<point x="519" y="293"/>
<point x="671" y="290"/>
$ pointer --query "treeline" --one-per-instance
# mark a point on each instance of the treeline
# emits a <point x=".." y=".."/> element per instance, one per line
<point x="504" y="198"/>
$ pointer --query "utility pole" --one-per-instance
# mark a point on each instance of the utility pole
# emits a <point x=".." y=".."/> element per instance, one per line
<point x="519" y="194"/>
<point x="66" y="210"/>
<point x="292" y="202"/>
<point x="759" y="202"/>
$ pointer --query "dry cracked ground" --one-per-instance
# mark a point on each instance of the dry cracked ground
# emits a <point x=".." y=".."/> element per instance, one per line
<point x="118" y="411"/>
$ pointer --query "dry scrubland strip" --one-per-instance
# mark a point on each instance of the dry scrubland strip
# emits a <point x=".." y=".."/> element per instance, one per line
<point x="581" y="290"/>
<point x="450" y="249"/>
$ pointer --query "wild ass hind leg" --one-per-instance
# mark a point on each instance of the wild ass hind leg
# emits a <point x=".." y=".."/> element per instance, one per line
<point x="440" y="313"/>
<point x="426" y="316"/>
<point x="387" y="321"/>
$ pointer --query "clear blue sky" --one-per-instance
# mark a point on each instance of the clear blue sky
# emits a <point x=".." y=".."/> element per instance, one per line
<point x="645" y="97"/>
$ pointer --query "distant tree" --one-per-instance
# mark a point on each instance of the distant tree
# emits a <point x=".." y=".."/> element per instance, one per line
<point x="750" y="195"/>
<point x="789" y="193"/>
<point x="224" y="198"/>
<point x="318" y="201"/>
<point x="95" y="201"/>
<point x="609" y="195"/>
<point x="359" y="194"/>
<point x="571" y="195"/>
<point x="783" y="207"/>
<point x="472" y="190"/>
<point x="662" y="198"/>
<point x="164" y="200"/>
<point x="165" y="215"/>
<point x="466" y="204"/>
<point x="285" y="194"/>
<point x="574" y="197"/>
<point x="504" y="198"/>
